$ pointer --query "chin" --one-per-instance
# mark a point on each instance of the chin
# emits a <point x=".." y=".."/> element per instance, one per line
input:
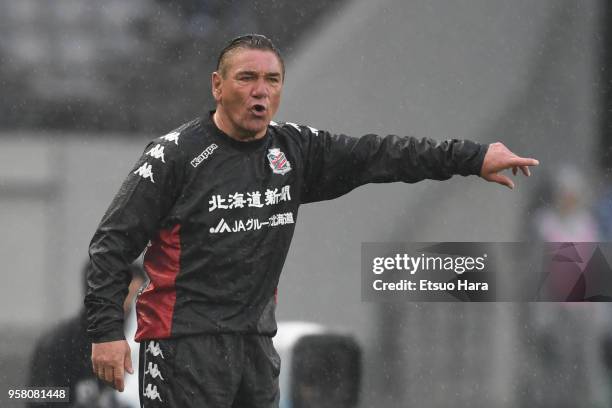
<point x="260" y="126"/>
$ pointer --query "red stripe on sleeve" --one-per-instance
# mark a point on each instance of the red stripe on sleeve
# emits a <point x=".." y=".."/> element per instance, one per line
<point x="155" y="306"/>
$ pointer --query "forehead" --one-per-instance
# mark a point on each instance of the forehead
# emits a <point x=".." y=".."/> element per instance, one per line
<point x="243" y="59"/>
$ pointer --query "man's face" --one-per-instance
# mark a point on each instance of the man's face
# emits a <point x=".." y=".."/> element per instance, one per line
<point x="249" y="92"/>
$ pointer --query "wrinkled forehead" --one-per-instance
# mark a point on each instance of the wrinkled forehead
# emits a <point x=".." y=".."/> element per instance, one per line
<point x="244" y="59"/>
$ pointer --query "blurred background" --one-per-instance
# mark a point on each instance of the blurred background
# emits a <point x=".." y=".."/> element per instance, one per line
<point x="86" y="83"/>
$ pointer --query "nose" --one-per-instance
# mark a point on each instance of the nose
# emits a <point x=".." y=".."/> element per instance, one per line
<point x="260" y="89"/>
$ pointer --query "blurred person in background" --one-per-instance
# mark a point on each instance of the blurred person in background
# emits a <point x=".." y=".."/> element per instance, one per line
<point x="62" y="358"/>
<point x="568" y="218"/>
<point x="603" y="213"/>
<point x="130" y="398"/>
<point x="562" y="361"/>
<point x="215" y="201"/>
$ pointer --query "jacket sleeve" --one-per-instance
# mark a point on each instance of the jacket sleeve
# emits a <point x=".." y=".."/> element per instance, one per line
<point x="336" y="164"/>
<point x="134" y="215"/>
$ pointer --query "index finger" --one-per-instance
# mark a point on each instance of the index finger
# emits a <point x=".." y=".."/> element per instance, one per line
<point x="523" y="161"/>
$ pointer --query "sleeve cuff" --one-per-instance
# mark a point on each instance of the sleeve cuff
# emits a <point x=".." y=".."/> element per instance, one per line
<point x="479" y="159"/>
<point x="106" y="336"/>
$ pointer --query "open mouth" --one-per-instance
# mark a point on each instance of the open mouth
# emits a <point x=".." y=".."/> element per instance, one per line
<point x="258" y="109"/>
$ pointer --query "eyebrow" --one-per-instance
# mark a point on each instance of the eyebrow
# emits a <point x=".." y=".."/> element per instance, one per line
<point x="249" y="72"/>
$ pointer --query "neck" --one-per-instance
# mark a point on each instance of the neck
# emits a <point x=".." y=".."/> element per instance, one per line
<point x="222" y="122"/>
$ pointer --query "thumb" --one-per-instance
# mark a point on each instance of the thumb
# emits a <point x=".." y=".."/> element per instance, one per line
<point x="501" y="179"/>
<point x="127" y="362"/>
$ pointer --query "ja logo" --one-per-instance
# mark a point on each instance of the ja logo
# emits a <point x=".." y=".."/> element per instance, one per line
<point x="278" y="162"/>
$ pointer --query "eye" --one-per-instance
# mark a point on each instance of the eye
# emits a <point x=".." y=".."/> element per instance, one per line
<point x="246" y="77"/>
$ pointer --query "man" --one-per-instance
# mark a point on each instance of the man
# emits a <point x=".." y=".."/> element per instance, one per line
<point x="217" y="201"/>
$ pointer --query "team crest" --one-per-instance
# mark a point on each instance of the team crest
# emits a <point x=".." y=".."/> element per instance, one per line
<point x="278" y="162"/>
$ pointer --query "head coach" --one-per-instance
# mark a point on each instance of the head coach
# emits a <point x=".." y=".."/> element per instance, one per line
<point x="214" y="205"/>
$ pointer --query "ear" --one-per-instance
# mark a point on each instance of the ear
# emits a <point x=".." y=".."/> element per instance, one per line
<point x="216" y="82"/>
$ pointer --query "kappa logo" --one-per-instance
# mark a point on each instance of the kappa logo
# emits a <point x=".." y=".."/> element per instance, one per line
<point x="151" y="392"/>
<point x="157" y="152"/>
<point x="297" y="127"/>
<point x="153" y="371"/>
<point x="145" y="171"/>
<point x="204" y="155"/>
<point x="153" y="348"/>
<point x="294" y="125"/>
<point x="221" y="227"/>
<point x="278" y="162"/>
<point x="172" y="137"/>
<point x="313" y="130"/>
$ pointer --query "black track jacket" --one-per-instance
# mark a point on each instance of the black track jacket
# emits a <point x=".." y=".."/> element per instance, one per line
<point x="217" y="216"/>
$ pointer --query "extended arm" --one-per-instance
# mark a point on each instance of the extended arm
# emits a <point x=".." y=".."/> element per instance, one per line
<point x="336" y="164"/>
